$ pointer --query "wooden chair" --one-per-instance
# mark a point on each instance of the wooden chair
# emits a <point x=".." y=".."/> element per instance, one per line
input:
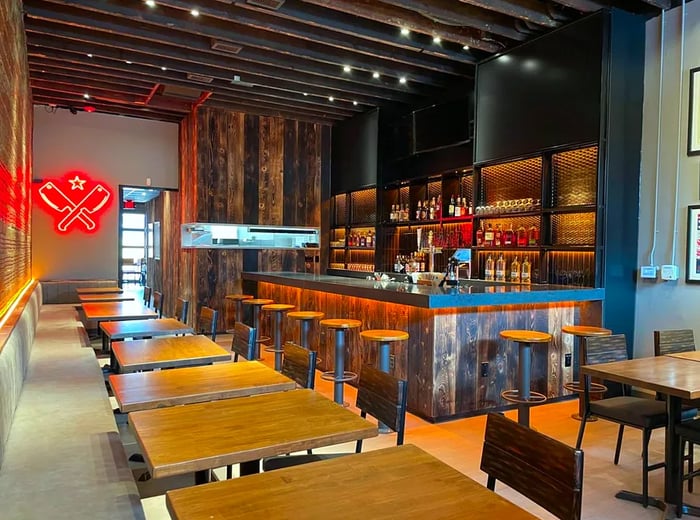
<point x="299" y="364"/>
<point x="546" y="471"/>
<point x="380" y="395"/>
<point x="182" y="308"/>
<point x="158" y="303"/>
<point x="243" y="341"/>
<point x="206" y="324"/>
<point x="147" y="295"/>
<point x="637" y="412"/>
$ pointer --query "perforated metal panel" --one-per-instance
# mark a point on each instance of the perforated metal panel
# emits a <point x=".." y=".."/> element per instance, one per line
<point x="341" y="208"/>
<point x="573" y="229"/>
<point x="574" y="175"/>
<point x="466" y="188"/>
<point x="571" y="268"/>
<point x="363" y="206"/>
<point x="509" y="181"/>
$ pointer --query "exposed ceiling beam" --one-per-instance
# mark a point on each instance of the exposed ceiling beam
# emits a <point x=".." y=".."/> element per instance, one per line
<point x="53" y="101"/>
<point x="584" y="6"/>
<point x="533" y="11"/>
<point x="213" y="102"/>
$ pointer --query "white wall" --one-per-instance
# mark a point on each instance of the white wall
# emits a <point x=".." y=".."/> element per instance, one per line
<point x="667" y="305"/>
<point x="112" y="149"/>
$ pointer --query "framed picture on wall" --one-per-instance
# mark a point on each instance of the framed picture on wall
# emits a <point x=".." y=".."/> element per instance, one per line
<point x="694" y="113"/>
<point x="692" y="264"/>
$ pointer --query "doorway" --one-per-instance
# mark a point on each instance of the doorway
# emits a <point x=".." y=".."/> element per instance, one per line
<point x="133" y="235"/>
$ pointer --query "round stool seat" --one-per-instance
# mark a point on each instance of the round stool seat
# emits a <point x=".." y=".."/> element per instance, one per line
<point x="258" y="301"/>
<point x="239" y="297"/>
<point x="384" y="335"/>
<point x="272" y="307"/>
<point x="585" y="330"/>
<point x="526" y="336"/>
<point x="340" y="323"/>
<point x="305" y="315"/>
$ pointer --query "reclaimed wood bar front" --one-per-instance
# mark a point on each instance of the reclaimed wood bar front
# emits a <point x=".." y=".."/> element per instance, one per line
<point x="455" y="362"/>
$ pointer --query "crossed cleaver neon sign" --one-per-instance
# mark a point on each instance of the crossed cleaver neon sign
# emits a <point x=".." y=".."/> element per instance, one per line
<point x="75" y="201"/>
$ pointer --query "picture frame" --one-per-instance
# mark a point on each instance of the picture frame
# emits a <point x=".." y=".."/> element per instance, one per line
<point x="694" y="113"/>
<point x="692" y="264"/>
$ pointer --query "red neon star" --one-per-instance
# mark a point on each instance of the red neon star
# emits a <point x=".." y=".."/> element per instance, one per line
<point x="77" y="183"/>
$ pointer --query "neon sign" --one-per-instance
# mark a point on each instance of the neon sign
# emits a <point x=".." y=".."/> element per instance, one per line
<point x="75" y="201"/>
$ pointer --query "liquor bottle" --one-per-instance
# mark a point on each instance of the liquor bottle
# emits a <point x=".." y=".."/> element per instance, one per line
<point x="480" y="235"/>
<point x="451" y="207"/>
<point x="431" y="209"/>
<point x="515" y="270"/>
<point x="424" y="211"/>
<point x="525" y="271"/>
<point x="470" y="210"/>
<point x="370" y="239"/>
<point x="522" y="236"/>
<point x="508" y="236"/>
<point x="363" y="240"/>
<point x="501" y="269"/>
<point x="488" y="236"/>
<point x="488" y="271"/>
<point x="419" y="210"/>
<point x="404" y="212"/>
<point x="458" y="207"/>
<point x="438" y="207"/>
<point x="498" y="236"/>
<point x="533" y="236"/>
<point x="466" y="210"/>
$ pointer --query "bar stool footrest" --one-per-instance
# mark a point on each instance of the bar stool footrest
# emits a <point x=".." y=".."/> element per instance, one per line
<point x="577" y="388"/>
<point x="513" y="396"/>
<point x="330" y="376"/>
<point x="263" y="339"/>
<point x="271" y="348"/>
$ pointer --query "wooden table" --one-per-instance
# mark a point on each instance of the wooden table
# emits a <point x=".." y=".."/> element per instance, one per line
<point x="678" y="379"/>
<point x="104" y="298"/>
<point x="148" y="390"/>
<point x="117" y="330"/>
<point x="400" y="482"/>
<point x="690" y="356"/>
<point x="117" y="311"/>
<point x="198" y="437"/>
<point x="99" y="290"/>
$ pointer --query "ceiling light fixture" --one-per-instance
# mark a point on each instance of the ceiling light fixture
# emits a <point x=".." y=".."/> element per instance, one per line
<point x="375" y="75"/>
<point x="465" y="48"/>
<point x="331" y="99"/>
<point x="405" y="31"/>
<point x="150" y="3"/>
<point x="402" y="80"/>
<point x="164" y="69"/>
<point x="86" y="95"/>
<point x="354" y="103"/>
<point x="306" y="93"/>
<point x="194" y="12"/>
<point x="89" y="55"/>
<point x="128" y="62"/>
<point x="437" y="40"/>
<point x="346" y="68"/>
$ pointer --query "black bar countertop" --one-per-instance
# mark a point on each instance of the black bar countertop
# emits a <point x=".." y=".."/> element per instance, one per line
<point x="470" y="293"/>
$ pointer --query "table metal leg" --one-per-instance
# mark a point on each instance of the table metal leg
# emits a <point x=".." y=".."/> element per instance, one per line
<point x="202" y="477"/>
<point x="250" y="467"/>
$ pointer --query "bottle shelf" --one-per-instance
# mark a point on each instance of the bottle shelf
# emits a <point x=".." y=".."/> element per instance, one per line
<point x="486" y="216"/>
<point x="509" y="248"/>
<point x="583" y="208"/>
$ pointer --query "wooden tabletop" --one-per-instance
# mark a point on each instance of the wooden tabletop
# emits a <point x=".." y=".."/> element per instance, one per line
<point x="107" y="297"/>
<point x="130" y="310"/>
<point x="669" y="375"/>
<point x="140" y="328"/>
<point x="689" y="356"/>
<point x="148" y="390"/>
<point x="400" y="482"/>
<point x="197" y="437"/>
<point x="98" y="290"/>
<point x="167" y="352"/>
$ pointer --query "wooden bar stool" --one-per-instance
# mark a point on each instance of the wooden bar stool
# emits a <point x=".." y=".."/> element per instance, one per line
<point x="582" y="332"/>
<point x="278" y="310"/>
<point x="237" y="300"/>
<point x="523" y="396"/>
<point x="339" y="376"/>
<point x="257" y="303"/>
<point x="305" y="318"/>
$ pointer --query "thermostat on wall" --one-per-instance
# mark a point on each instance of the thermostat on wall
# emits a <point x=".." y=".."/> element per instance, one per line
<point x="669" y="272"/>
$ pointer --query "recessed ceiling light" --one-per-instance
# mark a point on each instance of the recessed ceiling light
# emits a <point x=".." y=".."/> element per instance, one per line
<point x="164" y="68"/>
<point x="150" y="3"/>
<point x="354" y="103"/>
<point x="346" y="68"/>
<point x="306" y="93"/>
<point x="128" y="62"/>
<point x="89" y="55"/>
<point x="331" y="98"/>
<point x="86" y="95"/>
<point x="402" y="80"/>
<point x="437" y="39"/>
<point x="465" y="47"/>
<point x="375" y="75"/>
<point x="194" y="12"/>
<point x="405" y="31"/>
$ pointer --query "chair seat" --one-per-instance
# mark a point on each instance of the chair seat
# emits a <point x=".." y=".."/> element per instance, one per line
<point x="636" y="411"/>
<point x="287" y="461"/>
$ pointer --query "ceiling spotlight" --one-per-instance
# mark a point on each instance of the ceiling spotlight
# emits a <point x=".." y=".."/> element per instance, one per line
<point x="331" y="99"/>
<point x="375" y="75"/>
<point x="89" y="55"/>
<point x="346" y="68"/>
<point x="194" y="12"/>
<point x="86" y="95"/>
<point x="402" y="80"/>
<point x="128" y="62"/>
<point x="306" y="93"/>
<point x="465" y="48"/>
<point x="150" y="3"/>
<point x="437" y="40"/>
<point x="405" y="31"/>
<point x="354" y="103"/>
<point x="164" y="69"/>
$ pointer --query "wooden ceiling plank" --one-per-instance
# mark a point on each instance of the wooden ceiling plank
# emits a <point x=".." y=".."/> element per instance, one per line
<point x="262" y="111"/>
<point x="143" y="112"/>
<point x="583" y="6"/>
<point x="88" y="85"/>
<point x="528" y="10"/>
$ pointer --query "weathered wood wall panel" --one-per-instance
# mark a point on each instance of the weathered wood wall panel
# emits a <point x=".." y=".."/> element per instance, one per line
<point x="236" y="168"/>
<point x="15" y="154"/>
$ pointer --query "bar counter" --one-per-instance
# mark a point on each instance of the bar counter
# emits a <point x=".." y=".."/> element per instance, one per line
<point x="455" y="362"/>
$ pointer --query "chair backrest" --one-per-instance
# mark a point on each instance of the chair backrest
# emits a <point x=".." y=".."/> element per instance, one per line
<point x="605" y="349"/>
<point x="207" y="322"/>
<point x="547" y="471"/>
<point x="181" y="309"/>
<point x="243" y="341"/>
<point x="299" y="364"/>
<point x="383" y="396"/>
<point x="158" y="303"/>
<point x="673" y="341"/>
<point x="147" y="295"/>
